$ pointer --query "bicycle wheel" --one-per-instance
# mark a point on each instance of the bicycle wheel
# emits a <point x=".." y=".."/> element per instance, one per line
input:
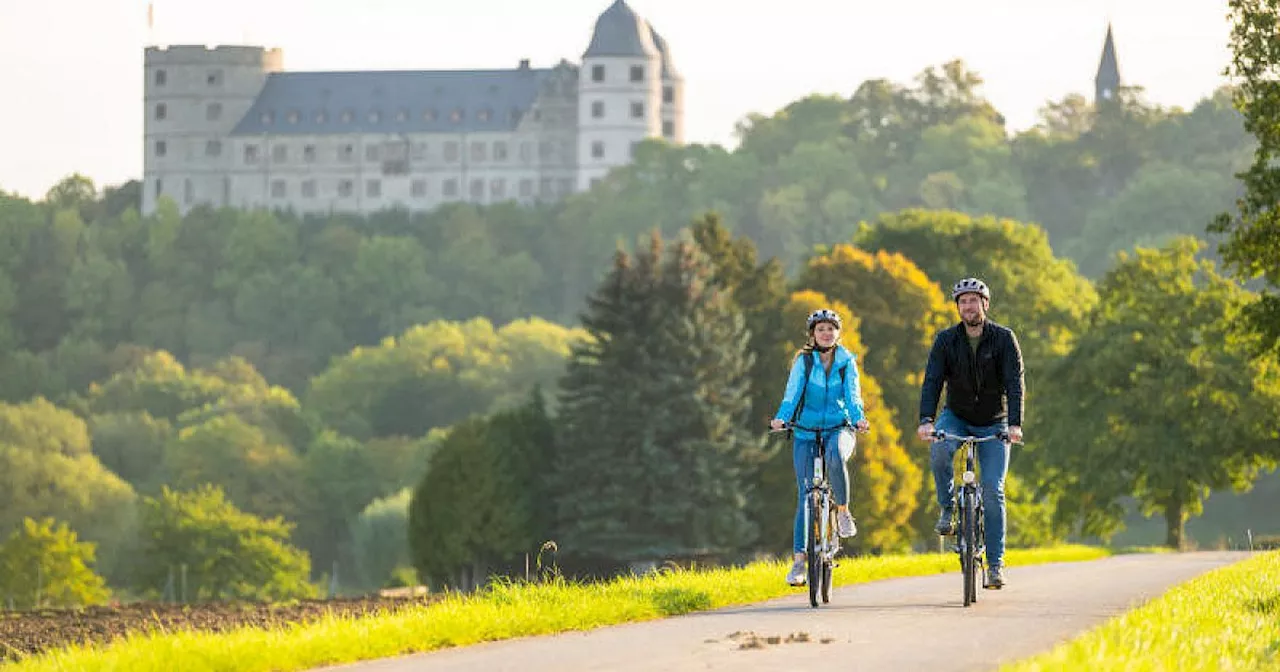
<point x="827" y="562"/>
<point x="966" y="546"/>
<point x="814" y="557"/>
<point x="971" y="550"/>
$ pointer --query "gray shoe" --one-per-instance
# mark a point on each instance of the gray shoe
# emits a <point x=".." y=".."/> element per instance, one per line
<point x="844" y="524"/>
<point x="796" y="577"/>
<point x="945" y="527"/>
<point x="995" y="577"/>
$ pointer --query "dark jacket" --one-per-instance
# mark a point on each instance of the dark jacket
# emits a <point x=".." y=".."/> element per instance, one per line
<point x="982" y="390"/>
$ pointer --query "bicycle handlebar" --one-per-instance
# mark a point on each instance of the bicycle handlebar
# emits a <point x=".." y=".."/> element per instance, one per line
<point x="787" y="426"/>
<point x="1003" y="436"/>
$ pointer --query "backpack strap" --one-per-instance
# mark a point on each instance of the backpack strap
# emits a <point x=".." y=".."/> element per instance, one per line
<point x="808" y="370"/>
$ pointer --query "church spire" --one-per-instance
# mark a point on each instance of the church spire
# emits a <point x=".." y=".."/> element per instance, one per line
<point x="1107" y="82"/>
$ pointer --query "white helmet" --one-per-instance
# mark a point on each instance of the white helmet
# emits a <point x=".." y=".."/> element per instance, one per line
<point x="970" y="286"/>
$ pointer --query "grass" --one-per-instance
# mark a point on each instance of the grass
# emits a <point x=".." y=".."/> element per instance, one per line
<point x="504" y="611"/>
<point x="1226" y="619"/>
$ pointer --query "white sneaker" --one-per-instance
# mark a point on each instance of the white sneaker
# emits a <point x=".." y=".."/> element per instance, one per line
<point x="844" y="524"/>
<point x="796" y="577"/>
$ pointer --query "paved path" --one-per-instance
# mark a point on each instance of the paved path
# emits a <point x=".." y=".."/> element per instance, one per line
<point x="897" y="624"/>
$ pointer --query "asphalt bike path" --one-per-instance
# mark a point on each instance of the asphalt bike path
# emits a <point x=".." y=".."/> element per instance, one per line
<point x="915" y="623"/>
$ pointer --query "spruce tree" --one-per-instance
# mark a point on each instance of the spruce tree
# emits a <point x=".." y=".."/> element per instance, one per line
<point x="655" y="449"/>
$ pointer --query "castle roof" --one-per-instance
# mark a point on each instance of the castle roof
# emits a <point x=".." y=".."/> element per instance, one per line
<point x="396" y="101"/>
<point x="1108" y="66"/>
<point x="668" y="67"/>
<point x="621" y="32"/>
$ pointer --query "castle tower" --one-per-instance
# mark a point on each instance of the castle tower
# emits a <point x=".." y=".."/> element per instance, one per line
<point x="1107" y="82"/>
<point x="193" y="96"/>
<point x="672" y="93"/>
<point x="619" y="92"/>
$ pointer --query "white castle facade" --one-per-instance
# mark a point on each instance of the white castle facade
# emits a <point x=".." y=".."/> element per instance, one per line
<point x="227" y="126"/>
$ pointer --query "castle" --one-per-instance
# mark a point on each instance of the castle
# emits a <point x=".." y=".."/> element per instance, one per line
<point x="227" y="126"/>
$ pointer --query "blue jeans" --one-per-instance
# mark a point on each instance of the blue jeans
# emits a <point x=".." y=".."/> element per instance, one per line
<point x="802" y="454"/>
<point x="993" y="465"/>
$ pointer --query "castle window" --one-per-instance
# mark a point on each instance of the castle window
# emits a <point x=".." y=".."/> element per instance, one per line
<point x="451" y="187"/>
<point x="347" y="152"/>
<point x="498" y="188"/>
<point x="419" y="151"/>
<point x="371" y="153"/>
<point x="162" y="77"/>
<point x="526" y="188"/>
<point x="668" y="95"/>
<point x="451" y="151"/>
<point x="597" y="109"/>
<point x="214" y="78"/>
<point x="213" y="111"/>
<point x="159" y="187"/>
<point x="278" y="189"/>
<point x="637" y="73"/>
<point x="597" y="150"/>
<point x="526" y="151"/>
<point x="213" y="148"/>
<point x="637" y="110"/>
<point x="279" y="154"/>
<point x="250" y="154"/>
<point x="669" y="129"/>
<point x="162" y="148"/>
<point x="375" y="116"/>
<point x="516" y="114"/>
<point x="162" y="110"/>
<point x="308" y="188"/>
<point x="293" y="116"/>
<point x="455" y="116"/>
<point x="429" y="115"/>
<point x="268" y="117"/>
<point x="345" y="188"/>
<point x="484" y="114"/>
<point x="309" y="153"/>
<point x="373" y="188"/>
<point x="544" y="187"/>
<point x="402" y="115"/>
<point x="477" y="151"/>
<point x="477" y="189"/>
<point x="499" y="151"/>
<point x="418" y="188"/>
<point x="597" y="73"/>
<point x="321" y="117"/>
<point x="347" y="116"/>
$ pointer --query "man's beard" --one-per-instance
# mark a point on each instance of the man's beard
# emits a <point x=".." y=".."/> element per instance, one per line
<point x="974" y="321"/>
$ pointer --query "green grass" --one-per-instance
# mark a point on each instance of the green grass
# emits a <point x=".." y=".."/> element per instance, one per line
<point x="1227" y="619"/>
<point x="501" y="612"/>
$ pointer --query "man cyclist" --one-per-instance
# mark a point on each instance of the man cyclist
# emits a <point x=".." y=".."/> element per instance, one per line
<point x="981" y="363"/>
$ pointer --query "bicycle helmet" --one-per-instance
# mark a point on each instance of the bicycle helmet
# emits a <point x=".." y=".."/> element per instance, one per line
<point x="823" y="315"/>
<point x="970" y="286"/>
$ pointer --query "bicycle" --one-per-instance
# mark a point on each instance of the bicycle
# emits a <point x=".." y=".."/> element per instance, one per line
<point x="823" y="542"/>
<point x="967" y="501"/>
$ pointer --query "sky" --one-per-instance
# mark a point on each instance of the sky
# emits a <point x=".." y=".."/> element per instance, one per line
<point x="71" y="79"/>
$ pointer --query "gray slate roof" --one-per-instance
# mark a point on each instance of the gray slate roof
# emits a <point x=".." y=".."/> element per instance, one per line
<point x="668" y="67"/>
<point x="621" y="32"/>
<point x="1108" y="67"/>
<point x="397" y="101"/>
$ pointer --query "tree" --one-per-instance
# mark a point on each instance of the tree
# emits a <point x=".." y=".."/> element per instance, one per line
<point x="1253" y="246"/>
<point x="654" y="450"/>
<point x="380" y="539"/>
<point x="46" y="566"/>
<point x="229" y="554"/>
<point x="1160" y="398"/>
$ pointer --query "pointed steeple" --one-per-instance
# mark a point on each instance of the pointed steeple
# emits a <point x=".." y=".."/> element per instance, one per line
<point x="1107" y="82"/>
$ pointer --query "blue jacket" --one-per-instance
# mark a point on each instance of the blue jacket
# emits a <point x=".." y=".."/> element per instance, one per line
<point x="827" y="402"/>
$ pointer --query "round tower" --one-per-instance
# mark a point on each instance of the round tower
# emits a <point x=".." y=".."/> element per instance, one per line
<point x="193" y="96"/>
<point x="619" y="92"/>
<point x="672" y="93"/>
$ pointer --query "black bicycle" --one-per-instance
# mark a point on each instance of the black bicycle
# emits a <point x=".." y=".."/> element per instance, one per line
<point x="823" y="541"/>
<point x="971" y="538"/>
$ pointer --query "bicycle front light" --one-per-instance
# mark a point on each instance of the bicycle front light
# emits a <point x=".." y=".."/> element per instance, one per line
<point x="968" y="477"/>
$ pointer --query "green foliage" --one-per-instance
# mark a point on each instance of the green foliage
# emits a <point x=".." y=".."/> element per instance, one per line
<point x="1253" y="230"/>
<point x="229" y="554"/>
<point x="380" y="539"/>
<point x="654" y="452"/>
<point x="1160" y="398"/>
<point x="43" y="565"/>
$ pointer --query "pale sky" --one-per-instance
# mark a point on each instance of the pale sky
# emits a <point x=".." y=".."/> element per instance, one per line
<point x="71" y="79"/>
